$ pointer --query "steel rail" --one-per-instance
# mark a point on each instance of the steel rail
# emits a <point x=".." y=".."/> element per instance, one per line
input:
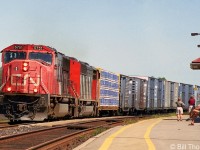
<point x="63" y="142"/>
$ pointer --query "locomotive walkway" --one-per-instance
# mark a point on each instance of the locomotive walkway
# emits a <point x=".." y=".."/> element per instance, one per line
<point x="160" y="134"/>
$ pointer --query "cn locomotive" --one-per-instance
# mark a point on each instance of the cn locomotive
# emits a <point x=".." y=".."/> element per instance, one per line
<point x="39" y="83"/>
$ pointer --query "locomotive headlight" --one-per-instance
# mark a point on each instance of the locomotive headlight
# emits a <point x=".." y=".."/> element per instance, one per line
<point x="25" y="64"/>
<point x="35" y="90"/>
<point x="9" y="89"/>
<point x="25" y="68"/>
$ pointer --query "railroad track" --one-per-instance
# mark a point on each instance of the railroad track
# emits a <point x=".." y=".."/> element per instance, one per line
<point x="57" y="137"/>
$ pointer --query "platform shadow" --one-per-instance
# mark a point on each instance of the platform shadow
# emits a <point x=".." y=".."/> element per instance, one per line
<point x="197" y="120"/>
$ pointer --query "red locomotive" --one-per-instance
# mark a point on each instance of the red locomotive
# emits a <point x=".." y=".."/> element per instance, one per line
<point x="38" y="83"/>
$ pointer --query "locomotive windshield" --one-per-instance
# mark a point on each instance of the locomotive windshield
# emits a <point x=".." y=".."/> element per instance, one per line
<point x="9" y="56"/>
<point x="41" y="57"/>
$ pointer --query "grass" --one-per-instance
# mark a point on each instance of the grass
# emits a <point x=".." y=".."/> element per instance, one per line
<point x="134" y="120"/>
<point x="130" y="121"/>
<point x="163" y="115"/>
<point x="99" y="130"/>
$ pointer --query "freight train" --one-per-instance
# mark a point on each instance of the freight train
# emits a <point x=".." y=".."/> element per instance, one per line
<point x="39" y="83"/>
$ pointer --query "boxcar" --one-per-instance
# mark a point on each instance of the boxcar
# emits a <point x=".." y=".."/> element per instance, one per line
<point x="132" y="94"/>
<point x="151" y="92"/>
<point x="173" y="94"/>
<point x="109" y="84"/>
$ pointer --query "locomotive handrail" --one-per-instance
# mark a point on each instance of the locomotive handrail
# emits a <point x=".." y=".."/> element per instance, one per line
<point x="2" y="85"/>
<point x="44" y="87"/>
<point x="71" y="84"/>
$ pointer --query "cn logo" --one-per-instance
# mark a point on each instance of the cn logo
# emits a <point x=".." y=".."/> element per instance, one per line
<point x="16" y="79"/>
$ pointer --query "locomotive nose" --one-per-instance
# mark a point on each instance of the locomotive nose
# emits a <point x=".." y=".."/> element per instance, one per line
<point x="23" y="78"/>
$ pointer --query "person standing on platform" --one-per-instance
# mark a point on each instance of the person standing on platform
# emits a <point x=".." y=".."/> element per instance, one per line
<point x="194" y="114"/>
<point x="179" y="109"/>
<point x="191" y="103"/>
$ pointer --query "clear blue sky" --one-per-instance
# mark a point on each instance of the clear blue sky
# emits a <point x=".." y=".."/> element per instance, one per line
<point x="132" y="37"/>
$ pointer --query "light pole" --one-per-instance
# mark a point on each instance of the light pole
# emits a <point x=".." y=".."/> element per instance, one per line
<point x="195" y="34"/>
<point x="195" y="64"/>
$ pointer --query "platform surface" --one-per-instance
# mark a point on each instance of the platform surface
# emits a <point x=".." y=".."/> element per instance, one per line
<point x="159" y="133"/>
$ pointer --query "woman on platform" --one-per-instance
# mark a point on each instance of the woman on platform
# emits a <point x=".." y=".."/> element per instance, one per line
<point x="179" y="109"/>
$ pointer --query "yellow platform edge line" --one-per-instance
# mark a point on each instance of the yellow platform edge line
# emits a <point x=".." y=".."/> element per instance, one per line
<point x="147" y="138"/>
<point x="108" y="140"/>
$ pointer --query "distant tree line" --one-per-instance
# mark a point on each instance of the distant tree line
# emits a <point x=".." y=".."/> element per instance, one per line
<point x="162" y="78"/>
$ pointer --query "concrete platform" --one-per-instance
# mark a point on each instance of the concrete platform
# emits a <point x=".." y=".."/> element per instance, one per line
<point x="160" y="134"/>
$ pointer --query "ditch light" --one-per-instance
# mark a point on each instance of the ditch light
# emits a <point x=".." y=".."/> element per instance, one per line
<point x="195" y="64"/>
